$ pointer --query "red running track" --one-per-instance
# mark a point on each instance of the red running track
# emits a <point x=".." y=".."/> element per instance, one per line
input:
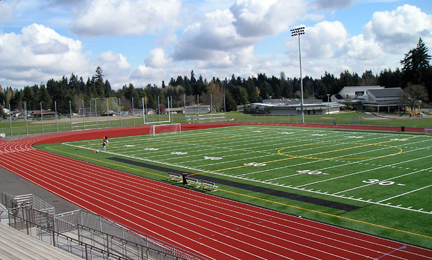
<point x="206" y="225"/>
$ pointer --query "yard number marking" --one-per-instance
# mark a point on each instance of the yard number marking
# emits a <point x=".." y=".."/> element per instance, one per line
<point x="382" y="183"/>
<point x="311" y="172"/>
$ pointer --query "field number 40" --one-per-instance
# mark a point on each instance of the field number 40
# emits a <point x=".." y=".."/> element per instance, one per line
<point x="375" y="181"/>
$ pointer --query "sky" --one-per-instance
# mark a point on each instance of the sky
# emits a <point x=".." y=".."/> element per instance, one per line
<point x="149" y="41"/>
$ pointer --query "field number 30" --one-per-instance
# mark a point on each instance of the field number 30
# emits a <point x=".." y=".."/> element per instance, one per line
<point x="375" y="181"/>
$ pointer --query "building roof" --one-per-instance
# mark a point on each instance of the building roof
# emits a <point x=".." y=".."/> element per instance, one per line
<point x="352" y="90"/>
<point x="293" y="101"/>
<point x="386" y="92"/>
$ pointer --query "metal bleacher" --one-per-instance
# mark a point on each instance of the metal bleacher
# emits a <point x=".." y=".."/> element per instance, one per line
<point x="17" y="245"/>
<point x="30" y="229"/>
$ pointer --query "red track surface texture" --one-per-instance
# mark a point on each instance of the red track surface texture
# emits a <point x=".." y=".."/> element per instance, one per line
<point x="212" y="227"/>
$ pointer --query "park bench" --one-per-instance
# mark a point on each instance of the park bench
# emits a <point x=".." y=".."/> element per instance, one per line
<point x="209" y="185"/>
<point x="191" y="181"/>
<point x="175" y="176"/>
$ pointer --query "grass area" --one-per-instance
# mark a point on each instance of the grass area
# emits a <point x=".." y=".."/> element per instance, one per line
<point x="387" y="175"/>
<point x="17" y="127"/>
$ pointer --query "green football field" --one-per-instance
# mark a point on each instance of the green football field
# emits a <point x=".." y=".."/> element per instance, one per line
<point x="375" y="182"/>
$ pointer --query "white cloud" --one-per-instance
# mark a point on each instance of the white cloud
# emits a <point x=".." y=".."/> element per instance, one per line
<point x="157" y="59"/>
<point x="256" y="18"/>
<point x="115" y="68"/>
<point x="246" y="23"/>
<point x="360" y="49"/>
<point x="123" y="17"/>
<point x="146" y="74"/>
<point x="399" y="29"/>
<point x="321" y="41"/>
<point x="38" y="54"/>
<point x="388" y="35"/>
<point x="51" y="47"/>
<point x="118" y="60"/>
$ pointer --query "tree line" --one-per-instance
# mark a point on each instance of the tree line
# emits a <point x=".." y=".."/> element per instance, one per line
<point x="416" y="73"/>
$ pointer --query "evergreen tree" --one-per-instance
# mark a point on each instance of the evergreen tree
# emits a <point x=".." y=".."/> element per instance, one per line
<point x="28" y="98"/>
<point x="44" y="97"/>
<point x="15" y="101"/>
<point x="416" y="64"/>
<point x="251" y="91"/>
<point x="130" y="93"/>
<point x="50" y="86"/>
<point x="368" y="79"/>
<point x="389" y="78"/>
<point x="230" y="104"/>
<point x="73" y="86"/>
<point x="416" y="68"/>
<point x="2" y="97"/>
<point x="98" y="83"/>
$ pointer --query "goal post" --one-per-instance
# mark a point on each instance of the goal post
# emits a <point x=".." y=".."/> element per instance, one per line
<point x="165" y="129"/>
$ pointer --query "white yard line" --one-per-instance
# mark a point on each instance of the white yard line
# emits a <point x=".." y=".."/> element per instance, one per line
<point x="355" y="173"/>
<point x="403" y="175"/>
<point x="400" y="195"/>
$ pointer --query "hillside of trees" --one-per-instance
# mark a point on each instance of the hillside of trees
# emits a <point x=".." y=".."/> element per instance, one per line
<point x="416" y="73"/>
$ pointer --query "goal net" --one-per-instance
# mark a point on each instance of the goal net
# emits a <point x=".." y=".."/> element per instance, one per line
<point x="165" y="129"/>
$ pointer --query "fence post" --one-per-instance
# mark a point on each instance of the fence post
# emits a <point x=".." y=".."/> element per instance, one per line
<point x="198" y="108"/>
<point x="107" y="100"/>
<point x="133" y="112"/>
<point x="82" y="101"/>
<point x="55" y="106"/>
<point x="70" y="112"/>
<point x="120" y="112"/>
<point x="25" y="116"/>
<point x="41" y="117"/>
<point x="96" y="114"/>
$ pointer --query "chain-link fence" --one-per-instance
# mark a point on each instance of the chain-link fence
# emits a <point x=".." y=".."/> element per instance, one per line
<point x="114" y="112"/>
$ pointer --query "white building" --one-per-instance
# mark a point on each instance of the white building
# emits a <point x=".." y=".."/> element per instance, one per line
<point x="292" y="107"/>
<point x="369" y="98"/>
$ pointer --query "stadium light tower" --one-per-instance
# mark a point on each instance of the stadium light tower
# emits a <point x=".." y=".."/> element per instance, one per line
<point x="297" y="32"/>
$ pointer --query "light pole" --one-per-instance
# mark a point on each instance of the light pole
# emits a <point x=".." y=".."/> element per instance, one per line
<point x="297" y="32"/>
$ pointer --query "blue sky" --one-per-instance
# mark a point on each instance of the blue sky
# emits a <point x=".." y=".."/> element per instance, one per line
<point x="149" y="41"/>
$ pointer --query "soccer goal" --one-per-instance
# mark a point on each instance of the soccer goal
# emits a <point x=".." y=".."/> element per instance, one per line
<point x="165" y="129"/>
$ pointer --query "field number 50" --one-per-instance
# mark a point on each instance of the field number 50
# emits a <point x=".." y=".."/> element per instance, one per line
<point x="375" y="181"/>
